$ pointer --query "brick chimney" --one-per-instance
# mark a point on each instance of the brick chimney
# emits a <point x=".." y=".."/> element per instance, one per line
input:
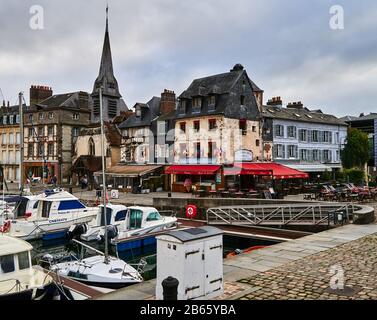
<point x="168" y="101"/>
<point x="295" y="105"/>
<point x="275" y="101"/>
<point x="39" y="93"/>
<point x="83" y="100"/>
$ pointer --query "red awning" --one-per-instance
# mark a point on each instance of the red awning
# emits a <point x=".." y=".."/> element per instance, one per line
<point x="192" y="169"/>
<point x="247" y="169"/>
<point x="278" y="171"/>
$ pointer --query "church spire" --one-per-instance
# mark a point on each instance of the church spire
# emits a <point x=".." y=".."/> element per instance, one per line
<point x="106" y="76"/>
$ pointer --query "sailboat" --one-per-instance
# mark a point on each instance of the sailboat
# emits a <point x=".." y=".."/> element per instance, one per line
<point x="100" y="270"/>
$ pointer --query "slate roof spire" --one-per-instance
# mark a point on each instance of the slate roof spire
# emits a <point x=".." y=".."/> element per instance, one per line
<point x="106" y="76"/>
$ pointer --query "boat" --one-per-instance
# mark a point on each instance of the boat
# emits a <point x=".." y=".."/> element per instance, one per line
<point x="141" y="225"/>
<point x="55" y="212"/>
<point x="19" y="280"/>
<point x="98" y="270"/>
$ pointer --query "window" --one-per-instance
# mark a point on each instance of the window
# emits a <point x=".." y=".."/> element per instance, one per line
<point x="291" y="132"/>
<point x="4" y="156"/>
<point x="50" y="149"/>
<point x="75" y="132"/>
<point x="40" y="116"/>
<point x="41" y="149"/>
<point x="23" y="260"/>
<point x="182" y="126"/>
<point x="337" y="156"/>
<point x="196" y="126"/>
<point x="336" y="140"/>
<point x="327" y="136"/>
<point x="76" y="116"/>
<point x="10" y="119"/>
<point x="292" y="151"/>
<point x="51" y="115"/>
<point x="5" y="120"/>
<point x="303" y="135"/>
<point x="211" y="102"/>
<point x="242" y="100"/>
<point x="50" y="130"/>
<point x="92" y="147"/>
<point x="315" y="155"/>
<point x="18" y="157"/>
<point x="279" y="151"/>
<point x="254" y="128"/>
<point x="108" y="216"/>
<point x="138" y="111"/>
<point x="7" y="263"/>
<point x="212" y="124"/>
<point x="279" y="130"/>
<point x="182" y="107"/>
<point x="30" y="117"/>
<point x="41" y="131"/>
<point x="121" y="215"/>
<point x="257" y="143"/>
<point x="315" y="136"/>
<point x="304" y="155"/>
<point x="11" y="138"/>
<point x="211" y="151"/>
<point x="31" y="131"/>
<point x="243" y="126"/>
<point x="4" y="139"/>
<point x="161" y="127"/>
<point x="18" y="138"/>
<point x="183" y="151"/>
<point x="18" y="118"/>
<point x="197" y="151"/>
<point x="136" y="217"/>
<point x="70" y="205"/>
<point x="196" y="105"/>
<point x="154" y="216"/>
<point x="30" y="150"/>
<point x="327" y="156"/>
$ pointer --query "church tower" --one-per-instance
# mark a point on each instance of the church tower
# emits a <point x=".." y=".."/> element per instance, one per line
<point x="113" y="103"/>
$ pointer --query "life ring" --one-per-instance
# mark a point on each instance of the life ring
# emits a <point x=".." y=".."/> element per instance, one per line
<point x="5" y="227"/>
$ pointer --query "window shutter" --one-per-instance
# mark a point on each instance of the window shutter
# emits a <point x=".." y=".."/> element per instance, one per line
<point x="310" y="137"/>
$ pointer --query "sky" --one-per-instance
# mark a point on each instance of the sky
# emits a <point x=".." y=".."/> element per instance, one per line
<point x="287" y="47"/>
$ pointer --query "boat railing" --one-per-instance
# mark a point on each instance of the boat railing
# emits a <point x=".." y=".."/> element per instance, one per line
<point x="17" y="285"/>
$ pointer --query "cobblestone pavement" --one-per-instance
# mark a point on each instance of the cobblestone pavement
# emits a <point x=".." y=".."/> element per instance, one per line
<point x="310" y="278"/>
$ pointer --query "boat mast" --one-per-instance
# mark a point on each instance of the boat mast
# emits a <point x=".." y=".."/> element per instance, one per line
<point x="104" y="189"/>
<point x="21" y="112"/>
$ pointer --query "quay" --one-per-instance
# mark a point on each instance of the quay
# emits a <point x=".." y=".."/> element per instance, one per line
<point x="295" y="269"/>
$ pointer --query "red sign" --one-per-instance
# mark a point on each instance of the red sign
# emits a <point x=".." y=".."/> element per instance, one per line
<point x="191" y="211"/>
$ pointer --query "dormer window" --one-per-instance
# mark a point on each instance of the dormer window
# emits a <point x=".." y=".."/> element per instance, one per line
<point x="182" y="107"/>
<point x="211" y="102"/>
<point x="75" y="116"/>
<point x="197" y="105"/>
<point x="243" y="126"/>
<point x="138" y="112"/>
<point x="242" y="100"/>
<point x="41" y="116"/>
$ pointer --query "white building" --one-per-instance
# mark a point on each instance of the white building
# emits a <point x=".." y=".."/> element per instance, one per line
<point x="303" y="139"/>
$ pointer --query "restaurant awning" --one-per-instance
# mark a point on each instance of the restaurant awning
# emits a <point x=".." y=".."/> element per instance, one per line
<point x="247" y="169"/>
<point x="276" y="170"/>
<point x="193" y="169"/>
<point x="311" y="167"/>
<point x="129" y="171"/>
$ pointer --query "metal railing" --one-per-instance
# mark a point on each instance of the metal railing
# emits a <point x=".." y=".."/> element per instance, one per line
<point x="290" y="214"/>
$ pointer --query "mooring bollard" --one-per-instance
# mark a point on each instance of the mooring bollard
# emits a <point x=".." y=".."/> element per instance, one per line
<point x="170" y="288"/>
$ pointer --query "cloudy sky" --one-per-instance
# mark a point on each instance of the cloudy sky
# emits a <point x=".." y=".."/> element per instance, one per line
<point x="287" y="47"/>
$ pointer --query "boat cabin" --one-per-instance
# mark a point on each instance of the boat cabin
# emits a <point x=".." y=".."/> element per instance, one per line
<point x="24" y="206"/>
<point x="139" y="216"/>
<point x="14" y="255"/>
<point x="114" y="213"/>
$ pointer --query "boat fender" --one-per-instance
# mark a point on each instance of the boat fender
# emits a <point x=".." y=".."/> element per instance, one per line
<point x="5" y="227"/>
<point x="112" y="232"/>
<point x="77" y="230"/>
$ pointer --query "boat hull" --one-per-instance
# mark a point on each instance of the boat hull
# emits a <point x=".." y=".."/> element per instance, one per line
<point x="45" y="293"/>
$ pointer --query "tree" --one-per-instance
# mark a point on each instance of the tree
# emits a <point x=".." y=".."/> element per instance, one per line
<point x="356" y="152"/>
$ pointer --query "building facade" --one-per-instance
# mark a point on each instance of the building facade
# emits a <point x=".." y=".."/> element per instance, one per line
<point x="303" y="139"/>
<point x="50" y="127"/>
<point x="10" y="142"/>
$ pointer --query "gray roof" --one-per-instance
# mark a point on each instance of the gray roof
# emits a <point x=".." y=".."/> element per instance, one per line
<point x="371" y="116"/>
<point x="65" y="100"/>
<point x="302" y="115"/>
<point x="150" y="111"/>
<point x="194" y="233"/>
<point x="216" y="84"/>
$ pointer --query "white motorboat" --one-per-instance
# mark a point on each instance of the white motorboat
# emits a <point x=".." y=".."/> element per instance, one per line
<point x="141" y="221"/>
<point x="54" y="214"/>
<point x="98" y="271"/>
<point x="19" y="280"/>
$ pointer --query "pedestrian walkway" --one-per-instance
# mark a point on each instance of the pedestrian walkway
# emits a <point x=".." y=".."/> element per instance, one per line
<point x="296" y="269"/>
